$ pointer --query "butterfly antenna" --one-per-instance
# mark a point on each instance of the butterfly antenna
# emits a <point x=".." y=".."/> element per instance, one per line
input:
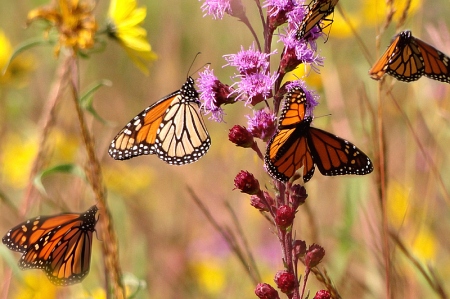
<point x="189" y="70"/>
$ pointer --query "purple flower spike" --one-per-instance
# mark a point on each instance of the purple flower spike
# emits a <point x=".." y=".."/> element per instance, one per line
<point x="262" y="125"/>
<point x="213" y="94"/>
<point x="216" y="8"/>
<point x="249" y="61"/>
<point x="277" y="11"/>
<point x="255" y="88"/>
<point x="297" y="52"/>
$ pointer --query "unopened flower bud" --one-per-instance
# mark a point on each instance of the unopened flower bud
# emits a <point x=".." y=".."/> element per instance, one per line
<point x="298" y="195"/>
<point x="285" y="216"/>
<point x="314" y="255"/>
<point x="246" y="182"/>
<point x="299" y="248"/>
<point x="240" y="136"/>
<point x="285" y="281"/>
<point x="322" y="294"/>
<point x="266" y="291"/>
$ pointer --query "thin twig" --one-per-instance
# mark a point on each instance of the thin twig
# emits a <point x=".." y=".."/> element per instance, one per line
<point x="226" y="235"/>
<point x="244" y="240"/>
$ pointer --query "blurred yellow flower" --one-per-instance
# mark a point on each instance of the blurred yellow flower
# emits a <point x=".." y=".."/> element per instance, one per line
<point x="375" y="11"/>
<point x="16" y="159"/>
<point x="123" y="25"/>
<point x="74" y="21"/>
<point x="397" y="203"/>
<point x="210" y="276"/>
<point x="17" y="68"/>
<point x="425" y="245"/>
<point x="38" y="287"/>
<point x="340" y="28"/>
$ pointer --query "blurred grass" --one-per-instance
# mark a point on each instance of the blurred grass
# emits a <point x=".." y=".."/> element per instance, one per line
<point x="164" y="239"/>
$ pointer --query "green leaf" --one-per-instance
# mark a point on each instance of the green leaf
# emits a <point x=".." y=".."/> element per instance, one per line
<point x="63" y="168"/>
<point x="25" y="46"/>
<point x="87" y="100"/>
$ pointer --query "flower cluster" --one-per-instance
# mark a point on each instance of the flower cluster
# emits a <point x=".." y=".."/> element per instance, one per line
<point x="255" y="84"/>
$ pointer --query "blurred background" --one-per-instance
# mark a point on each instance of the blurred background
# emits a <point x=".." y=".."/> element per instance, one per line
<point x="167" y="247"/>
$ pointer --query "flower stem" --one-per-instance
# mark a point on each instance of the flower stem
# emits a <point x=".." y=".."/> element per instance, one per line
<point x="94" y="175"/>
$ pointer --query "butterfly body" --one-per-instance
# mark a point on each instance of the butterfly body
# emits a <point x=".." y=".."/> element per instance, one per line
<point x="318" y="10"/>
<point x="171" y="128"/>
<point x="409" y="58"/>
<point x="296" y="144"/>
<point x="59" y="245"/>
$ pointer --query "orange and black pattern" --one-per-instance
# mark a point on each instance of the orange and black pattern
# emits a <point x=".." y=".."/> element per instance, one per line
<point x="172" y="128"/>
<point x="59" y="245"/>
<point x="409" y="58"/>
<point x="318" y="10"/>
<point x="296" y="144"/>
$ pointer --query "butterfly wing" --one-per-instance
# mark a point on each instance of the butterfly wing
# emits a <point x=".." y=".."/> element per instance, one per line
<point x="172" y="128"/>
<point x="336" y="156"/>
<point x="436" y="63"/>
<point x="288" y="151"/>
<point x="63" y="252"/>
<point x="403" y="60"/>
<point x="317" y="11"/>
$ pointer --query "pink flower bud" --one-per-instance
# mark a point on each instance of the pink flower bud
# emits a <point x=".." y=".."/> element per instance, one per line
<point x="246" y="182"/>
<point x="285" y="216"/>
<point x="314" y="255"/>
<point x="240" y="136"/>
<point x="285" y="281"/>
<point x="299" y="248"/>
<point x="322" y="294"/>
<point x="266" y="291"/>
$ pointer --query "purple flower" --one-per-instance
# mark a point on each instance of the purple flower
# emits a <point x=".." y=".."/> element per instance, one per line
<point x="216" y="8"/>
<point x="262" y="125"/>
<point x="296" y="15"/>
<point x="255" y="88"/>
<point x="311" y="97"/>
<point x="249" y="61"/>
<point x="296" y="52"/>
<point x="277" y="11"/>
<point x="213" y="94"/>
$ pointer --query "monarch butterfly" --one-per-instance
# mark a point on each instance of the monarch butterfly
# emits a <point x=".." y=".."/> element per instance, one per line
<point x="408" y="58"/>
<point x="171" y="128"/>
<point x="60" y="245"/>
<point x="296" y="144"/>
<point x="317" y="11"/>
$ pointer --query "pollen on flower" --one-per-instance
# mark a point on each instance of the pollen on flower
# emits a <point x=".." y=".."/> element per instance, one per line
<point x="74" y="21"/>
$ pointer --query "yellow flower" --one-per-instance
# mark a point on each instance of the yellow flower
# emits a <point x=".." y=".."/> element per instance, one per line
<point x="123" y="25"/>
<point x="17" y="157"/>
<point x="74" y="21"/>
<point x="37" y="286"/>
<point x="375" y="11"/>
<point x="16" y="68"/>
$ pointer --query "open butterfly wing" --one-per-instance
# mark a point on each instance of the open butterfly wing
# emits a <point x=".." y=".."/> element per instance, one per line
<point x="60" y="245"/>
<point x="436" y="63"/>
<point x="172" y="128"/>
<point x="336" y="156"/>
<point x="286" y="153"/>
<point x="139" y="135"/>
<point x="29" y="232"/>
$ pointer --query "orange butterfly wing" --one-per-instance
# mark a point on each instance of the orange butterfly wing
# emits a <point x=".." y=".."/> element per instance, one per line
<point x="409" y="58"/>
<point x="336" y="156"/>
<point x="172" y="129"/>
<point x="60" y="245"/>
<point x="288" y="151"/>
<point x="317" y="11"/>
<point x="297" y="145"/>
